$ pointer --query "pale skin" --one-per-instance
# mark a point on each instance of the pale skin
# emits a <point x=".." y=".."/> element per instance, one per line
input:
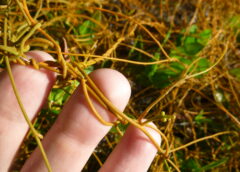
<point x="75" y="134"/>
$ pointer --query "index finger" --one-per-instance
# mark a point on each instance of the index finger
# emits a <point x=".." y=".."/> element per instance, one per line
<point x="33" y="87"/>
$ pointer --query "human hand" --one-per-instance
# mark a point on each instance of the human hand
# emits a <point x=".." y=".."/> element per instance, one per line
<point x="76" y="133"/>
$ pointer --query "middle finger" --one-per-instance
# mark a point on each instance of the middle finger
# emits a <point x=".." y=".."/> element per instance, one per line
<point x="77" y="132"/>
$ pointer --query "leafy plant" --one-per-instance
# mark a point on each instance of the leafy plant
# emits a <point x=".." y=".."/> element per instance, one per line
<point x="235" y="72"/>
<point x="194" y="166"/>
<point x="200" y="118"/>
<point x="87" y="29"/>
<point x="60" y="95"/>
<point x="186" y="52"/>
<point x="213" y="165"/>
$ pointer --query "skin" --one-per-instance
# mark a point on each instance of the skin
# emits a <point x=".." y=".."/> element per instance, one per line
<point x="76" y="133"/>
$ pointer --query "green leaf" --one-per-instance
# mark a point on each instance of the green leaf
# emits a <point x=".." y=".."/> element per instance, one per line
<point x="2" y="66"/>
<point x="190" y="165"/>
<point x="167" y="37"/>
<point x="50" y="15"/>
<point x="235" y="72"/>
<point x="163" y="78"/>
<point x="204" y="36"/>
<point x="200" y="118"/>
<point x="55" y="111"/>
<point x="184" y="60"/>
<point x="87" y="28"/>
<point x="193" y="29"/>
<point x="89" y="69"/>
<point x="57" y="96"/>
<point x="194" y="42"/>
<point x="177" y="67"/>
<point x="151" y="70"/>
<point x="135" y="43"/>
<point x="202" y="65"/>
<point x="122" y="127"/>
<point x="213" y="164"/>
<point x="157" y="55"/>
<point x="191" y="45"/>
<point x="234" y="22"/>
<point x="138" y="43"/>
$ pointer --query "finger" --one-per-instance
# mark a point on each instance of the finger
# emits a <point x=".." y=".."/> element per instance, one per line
<point x="135" y="152"/>
<point x="77" y="132"/>
<point x="33" y="87"/>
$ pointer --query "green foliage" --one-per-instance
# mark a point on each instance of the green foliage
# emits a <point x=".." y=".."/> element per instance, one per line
<point x="204" y="36"/>
<point x="162" y="76"/>
<point x="213" y="165"/>
<point x="200" y="118"/>
<point x="167" y="37"/>
<point x="50" y="15"/>
<point x="202" y="65"/>
<point x="2" y="66"/>
<point x="60" y="95"/>
<point x="194" y="42"/>
<point x="193" y="165"/>
<point x="191" y="45"/>
<point x="234" y="22"/>
<point x="137" y="44"/>
<point x="89" y="69"/>
<point x="56" y="100"/>
<point x="122" y="127"/>
<point x="235" y="72"/>
<point x="88" y="28"/>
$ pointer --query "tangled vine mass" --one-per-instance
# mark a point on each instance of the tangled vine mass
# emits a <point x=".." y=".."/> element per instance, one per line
<point x="180" y="56"/>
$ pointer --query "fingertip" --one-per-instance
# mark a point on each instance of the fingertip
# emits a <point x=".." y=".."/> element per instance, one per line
<point x="77" y="131"/>
<point x="135" y="151"/>
<point x="156" y="136"/>
<point x="137" y="134"/>
<point x="39" y="55"/>
<point x="114" y="85"/>
<point x="33" y="87"/>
